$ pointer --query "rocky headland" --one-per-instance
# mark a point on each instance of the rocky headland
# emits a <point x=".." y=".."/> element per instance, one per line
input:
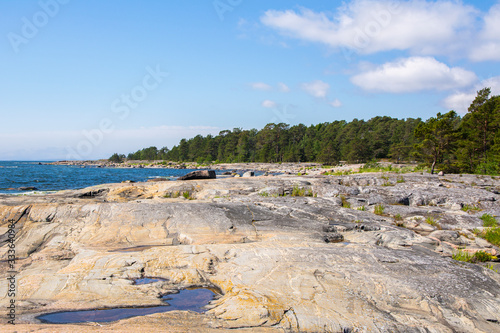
<point x="315" y="253"/>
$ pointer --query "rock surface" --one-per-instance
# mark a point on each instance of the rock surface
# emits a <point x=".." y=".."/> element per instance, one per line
<point x="200" y="174"/>
<point x="357" y="253"/>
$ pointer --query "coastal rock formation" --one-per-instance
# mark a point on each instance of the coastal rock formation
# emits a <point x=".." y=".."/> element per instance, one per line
<point x="200" y="174"/>
<point x="357" y="253"/>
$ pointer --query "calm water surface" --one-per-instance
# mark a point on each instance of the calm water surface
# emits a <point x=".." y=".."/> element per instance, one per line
<point x="185" y="300"/>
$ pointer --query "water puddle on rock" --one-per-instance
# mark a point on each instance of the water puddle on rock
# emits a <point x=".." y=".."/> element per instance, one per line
<point x="186" y="300"/>
<point x="147" y="280"/>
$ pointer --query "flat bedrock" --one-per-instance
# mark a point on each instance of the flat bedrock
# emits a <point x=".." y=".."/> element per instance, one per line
<point x="293" y="253"/>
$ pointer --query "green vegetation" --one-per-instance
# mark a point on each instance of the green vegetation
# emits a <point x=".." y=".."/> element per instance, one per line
<point x="492" y="235"/>
<point x="467" y="208"/>
<point x="379" y="209"/>
<point x="345" y="203"/>
<point x="447" y="142"/>
<point x="429" y="220"/>
<point x="264" y="194"/>
<point x="489" y="221"/>
<point x="400" y="180"/>
<point x="116" y="158"/>
<point x="398" y="217"/>
<point x="362" y="208"/>
<point x="492" y="267"/>
<point x="355" y="141"/>
<point x="301" y="192"/>
<point x="177" y="194"/>
<point x="479" y="256"/>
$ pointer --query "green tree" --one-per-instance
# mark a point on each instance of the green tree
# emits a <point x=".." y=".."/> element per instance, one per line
<point x="478" y="146"/>
<point x="116" y="158"/>
<point x="438" y="137"/>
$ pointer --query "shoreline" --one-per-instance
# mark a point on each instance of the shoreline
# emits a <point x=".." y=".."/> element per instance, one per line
<point x="312" y="168"/>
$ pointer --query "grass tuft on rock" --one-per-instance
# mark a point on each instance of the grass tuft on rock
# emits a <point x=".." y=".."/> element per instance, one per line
<point x="489" y="221"/>
<point x="379" y="209"/>
<point x="479" y="256"/>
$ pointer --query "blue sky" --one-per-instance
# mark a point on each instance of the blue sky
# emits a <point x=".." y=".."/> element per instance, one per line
<point x="83" y="79"/>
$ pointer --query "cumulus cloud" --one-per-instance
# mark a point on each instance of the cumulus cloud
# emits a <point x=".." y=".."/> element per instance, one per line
<point x="260" y="86"/>
<point x="487" y="46"/>
<point x="414" y="74"/>
<point x="268" y="104"/>
<point x="336" y="103"/>
<point x="283" y="87"/>
<point x="461" y="100"/>
<point x="370" y="26"/>
<point x="316" y="88"/>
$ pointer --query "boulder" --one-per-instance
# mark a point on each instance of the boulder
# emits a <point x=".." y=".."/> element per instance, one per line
<point x="248" y="174"/>
<point x="27" y="188"/>
<point x="200" y="174"/>
<point x="333" y="238"/>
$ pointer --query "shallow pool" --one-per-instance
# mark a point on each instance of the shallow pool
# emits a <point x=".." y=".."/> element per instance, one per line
<point x="186" y="300"/>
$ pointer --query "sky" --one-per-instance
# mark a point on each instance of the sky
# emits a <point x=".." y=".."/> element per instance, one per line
<point x="85" y="79"/>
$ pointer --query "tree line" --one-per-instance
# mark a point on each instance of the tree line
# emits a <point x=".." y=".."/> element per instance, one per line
<point x="448" y="142"/>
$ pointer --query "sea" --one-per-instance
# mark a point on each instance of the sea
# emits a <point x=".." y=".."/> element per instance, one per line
<point x="49" y="178"/>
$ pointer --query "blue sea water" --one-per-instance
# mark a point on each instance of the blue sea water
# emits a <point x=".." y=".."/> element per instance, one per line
<point x="14" y="175"/>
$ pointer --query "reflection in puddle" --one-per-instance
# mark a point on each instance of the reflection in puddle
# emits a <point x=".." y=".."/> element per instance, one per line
<point x="185" y="300"/>
<point x="147" y="281"/>
<point x="138" y="248"/>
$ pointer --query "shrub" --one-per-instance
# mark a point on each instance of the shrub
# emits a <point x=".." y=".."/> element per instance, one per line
<point x="492" y="235"/>
<point x="398" y="217"/>
<point x="479" y="256"/>
<point x="489" y="221"/>
<point x="116" y="158"/>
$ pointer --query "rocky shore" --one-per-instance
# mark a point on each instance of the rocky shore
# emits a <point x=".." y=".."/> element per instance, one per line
<point x="313" y="253"/>
<point x="264" y="167"/>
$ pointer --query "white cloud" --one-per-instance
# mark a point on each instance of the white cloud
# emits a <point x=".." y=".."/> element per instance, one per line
<point x="316" y="88"/>
<point x="283" y="87"/>
<point x="369" y="26"/>
<point x="268" y="104"/>
<point x="488" y="40"/>
<point x="261" y="86"/>
<point x="414" y="74"/>
<point x="460" y="101"/>
<point x="336" y="103"/>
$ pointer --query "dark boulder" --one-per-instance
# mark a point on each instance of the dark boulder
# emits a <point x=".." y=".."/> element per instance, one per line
<point x="200" y="174"/>
<point x="333" y="238"/>
<point x="27" y="188"/>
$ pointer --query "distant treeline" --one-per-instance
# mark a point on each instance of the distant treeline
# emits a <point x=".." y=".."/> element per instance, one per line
<point x="451" y="143"/>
